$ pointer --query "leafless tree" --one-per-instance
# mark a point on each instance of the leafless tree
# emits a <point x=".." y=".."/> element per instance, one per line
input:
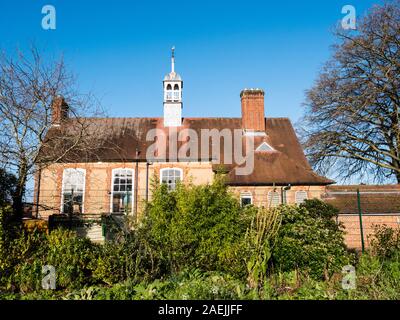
<point x="30" y="139"/>
<point x="352" y="112"/>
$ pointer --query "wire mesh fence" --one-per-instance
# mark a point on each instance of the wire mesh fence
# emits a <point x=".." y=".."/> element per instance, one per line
<point x="361" y="208"/>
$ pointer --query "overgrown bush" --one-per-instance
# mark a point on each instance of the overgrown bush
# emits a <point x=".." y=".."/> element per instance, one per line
<point x="72" y="257"/>
<point x="259" y="244"/>
<point x="194" y="226"/>
<point x="117" y="261"/>
<point x="310" y="241"/>
<point x="26" y="253"/>
<point x="5" y="213"/>
<point x="385" y="242"/>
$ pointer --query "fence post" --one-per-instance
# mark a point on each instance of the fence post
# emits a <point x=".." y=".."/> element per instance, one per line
<point x="361" y="223"/>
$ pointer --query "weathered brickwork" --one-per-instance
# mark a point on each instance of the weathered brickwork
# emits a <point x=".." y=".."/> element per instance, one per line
<point x="98" y="176"/>
<point x="352" y="227"/>
<point x="98" y="183"/>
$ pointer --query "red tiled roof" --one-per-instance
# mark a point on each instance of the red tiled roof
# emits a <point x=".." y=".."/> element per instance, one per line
<point x="123" y="137"/>
<point x="374" y="199"/>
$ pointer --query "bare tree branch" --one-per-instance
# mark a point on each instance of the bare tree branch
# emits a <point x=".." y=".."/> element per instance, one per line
<point x="353" y="110"/>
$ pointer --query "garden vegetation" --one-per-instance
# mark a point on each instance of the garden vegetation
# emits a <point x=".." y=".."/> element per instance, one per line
<point x="197" y="242"/>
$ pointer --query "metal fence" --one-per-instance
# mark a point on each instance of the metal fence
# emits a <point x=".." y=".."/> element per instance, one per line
<point x="97" y="227"/>
<point x="363" y="209"/>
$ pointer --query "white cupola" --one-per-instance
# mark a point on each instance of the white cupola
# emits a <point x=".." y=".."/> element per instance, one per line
<point x="173" y="86"/>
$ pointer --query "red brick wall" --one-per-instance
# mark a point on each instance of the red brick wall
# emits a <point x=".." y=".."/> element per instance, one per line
<point x="352" y="227"/>
<point x="253" y="117"/>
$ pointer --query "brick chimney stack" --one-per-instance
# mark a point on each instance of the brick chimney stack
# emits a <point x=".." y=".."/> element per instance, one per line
<point x="59" y="111"/>
<point x="253" y="117"/>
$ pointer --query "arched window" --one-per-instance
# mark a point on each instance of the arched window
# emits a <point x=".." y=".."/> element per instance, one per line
<point x="121" y="192"/>
<point x="274" y="199"/>
<point x="169" y="92"/>
<point x="176" y="92"/>
<point x="301" y="196"/>
<point x="171" y="176"/>
<point x="73" y="189"/>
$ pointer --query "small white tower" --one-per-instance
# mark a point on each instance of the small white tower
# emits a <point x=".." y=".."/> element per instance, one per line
<point x="173" y="86"/>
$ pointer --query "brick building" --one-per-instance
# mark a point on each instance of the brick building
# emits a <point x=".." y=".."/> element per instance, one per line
<point x="131" y="151"/>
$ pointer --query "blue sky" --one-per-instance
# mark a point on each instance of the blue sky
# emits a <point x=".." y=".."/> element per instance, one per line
<point x="120" y="50"/>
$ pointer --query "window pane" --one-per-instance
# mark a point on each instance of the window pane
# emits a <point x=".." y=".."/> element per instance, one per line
<point x="171" y="177"/>
<point x="72" y="203"/>
<point x="122" y="191"/>
<point x="246" y="201"/>
<point x="73" y="188"/>
<point x="122" y="203"/>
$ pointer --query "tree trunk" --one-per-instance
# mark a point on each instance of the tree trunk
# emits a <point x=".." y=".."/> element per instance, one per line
<point x="396" y="164"/>
<point x="18" y="205"/>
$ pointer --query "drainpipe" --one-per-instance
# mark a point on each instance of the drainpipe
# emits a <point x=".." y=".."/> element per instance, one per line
<point x="283" y="193"/>
<point x="136" y="187"/>
<point x="136" y="181"/>
<point x="147" y="181"/>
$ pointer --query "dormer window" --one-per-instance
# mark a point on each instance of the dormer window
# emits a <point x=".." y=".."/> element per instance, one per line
<point x="264" y="147"/>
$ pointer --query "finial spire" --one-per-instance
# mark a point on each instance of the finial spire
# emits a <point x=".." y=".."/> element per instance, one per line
<point x="173" y="59"/>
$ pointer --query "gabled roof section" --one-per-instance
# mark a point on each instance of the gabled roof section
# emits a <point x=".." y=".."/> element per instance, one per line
<point x="264" y="147"/>
<point x="124" y="139"/>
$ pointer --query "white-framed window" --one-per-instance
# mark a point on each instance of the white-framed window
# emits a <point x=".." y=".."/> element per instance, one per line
<point x="122" y="191"/>
<point x="301" y="196"/>
<point x="274" y="199"/>
<point x="73" y="191"/>
<point x="246" y="199"/>
<point x="171" y="176"/>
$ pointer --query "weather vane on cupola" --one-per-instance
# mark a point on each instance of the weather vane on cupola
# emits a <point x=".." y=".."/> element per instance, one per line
<point x="173" y="86"/>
